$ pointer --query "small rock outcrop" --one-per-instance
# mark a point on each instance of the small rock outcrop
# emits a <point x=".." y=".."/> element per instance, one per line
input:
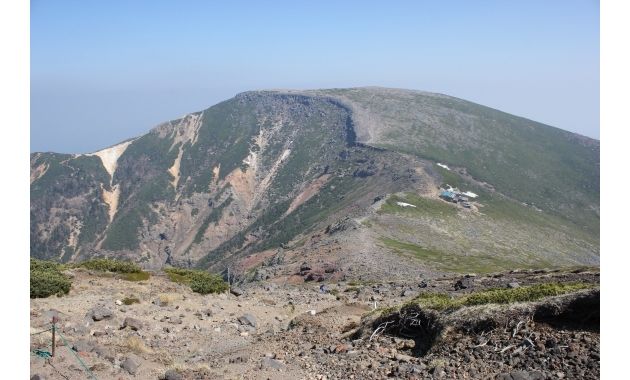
<point x="99" y="313"/>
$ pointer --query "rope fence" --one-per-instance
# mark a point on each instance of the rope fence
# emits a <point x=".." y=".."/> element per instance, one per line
<point x="47" y="355"/>
<point x="41" y="332"/>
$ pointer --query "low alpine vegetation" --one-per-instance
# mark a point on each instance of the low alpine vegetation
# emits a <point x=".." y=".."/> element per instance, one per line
<point x="47" y="279"/>
<point x="441" y="301"/>
<point x="199" y="281"/>
<point x="128" y="270"/>
<point x="130" y="300"/>
<point x="110" y="265"/>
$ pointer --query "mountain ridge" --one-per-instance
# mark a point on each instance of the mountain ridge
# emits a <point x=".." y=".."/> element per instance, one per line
<point x="259" y="170"/>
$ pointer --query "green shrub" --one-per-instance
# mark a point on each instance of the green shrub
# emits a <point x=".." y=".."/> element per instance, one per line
<point x="110" y="265"/>
<point x="205" y="283"/>
<point x="442" y="301"/>
<point x="136" y="276"/>
<point x="47" y="279"/>
<point x="200" y="281"/>
<point x="130" y="300"/>
<point x="177" y="275"/>
<point x="523" y="294"/>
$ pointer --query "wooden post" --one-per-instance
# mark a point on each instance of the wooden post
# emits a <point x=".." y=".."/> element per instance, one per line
<point x="54" y="320"/>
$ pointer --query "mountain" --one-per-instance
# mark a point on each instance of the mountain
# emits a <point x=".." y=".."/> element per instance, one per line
<point x="268" y="180"/>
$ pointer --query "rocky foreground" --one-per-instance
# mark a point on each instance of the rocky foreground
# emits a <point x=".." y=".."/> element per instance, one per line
<point x="157" y="329"/>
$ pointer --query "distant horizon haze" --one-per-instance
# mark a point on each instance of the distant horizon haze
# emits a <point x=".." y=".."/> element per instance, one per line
<point x="102" y="73"/>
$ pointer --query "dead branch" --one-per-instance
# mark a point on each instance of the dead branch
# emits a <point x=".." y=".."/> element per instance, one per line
<point x="506" y="348"/>
<point x="518" y="325"/>
<point x="380" y="329"/>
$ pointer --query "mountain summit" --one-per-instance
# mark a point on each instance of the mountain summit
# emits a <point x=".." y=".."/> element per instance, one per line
<point x="358" y="179"/>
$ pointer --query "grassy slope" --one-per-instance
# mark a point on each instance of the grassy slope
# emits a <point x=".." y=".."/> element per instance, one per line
<point x="504" y="235"/>
<point x="553" y="169"/>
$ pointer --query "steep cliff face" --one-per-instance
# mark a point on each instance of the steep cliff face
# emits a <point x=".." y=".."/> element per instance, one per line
<point x="269" y="169"/>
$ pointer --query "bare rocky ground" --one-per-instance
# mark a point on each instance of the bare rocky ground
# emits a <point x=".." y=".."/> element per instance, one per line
<point x="299" y="331"/>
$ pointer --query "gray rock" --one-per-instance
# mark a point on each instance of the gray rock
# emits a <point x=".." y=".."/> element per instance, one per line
<point x="513" y="285"/>
<point x="236" y="291"/>
<point x="83" y="346"/>
<point x="271" y="363"/>
<point x="464" y="283"/>
<point x="105" y="353"/>
<point x="520" y="375"/>
<point x="37" y="376"/>
<point x="172" y="374"/>
<point x="131" y="365"/>
<point x="100" y="313"/>
<point x="248" y="319"/>
<point x="132" y="323"/>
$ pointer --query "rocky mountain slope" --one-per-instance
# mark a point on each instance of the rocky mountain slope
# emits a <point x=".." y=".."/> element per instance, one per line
<point x="158" y="329"/>
<point x="268" y="180"/>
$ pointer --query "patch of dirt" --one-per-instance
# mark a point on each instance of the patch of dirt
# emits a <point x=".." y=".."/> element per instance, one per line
<point x="111" y="198"/>
<point x="38" y="171"/>
<point x="174" y="170"/>
<point x="306" y="194"/>
<point x="109" y="157"/>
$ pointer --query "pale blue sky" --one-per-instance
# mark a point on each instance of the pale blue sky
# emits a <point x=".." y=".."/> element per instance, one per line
<point x="105" y="71"/>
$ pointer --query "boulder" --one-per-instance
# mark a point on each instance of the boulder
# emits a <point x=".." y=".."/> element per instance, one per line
<point x="99" y="313"/>
<point x="513" y="285"/>
<point x="105" y="353"/>
<point x="329" y="268"/>
<point x="37" y="376"/>
<point x="304" y="268"/>
<point x="248" y="319"/>
<point x="131" y="365"/>
<point x="83" y="346"/>
<point x="132" y="323"/>
<point x="464" y="283"/>
<point x="172" y="374"/>
<point x="313" y="276"/>
<point x="236" y="291"/>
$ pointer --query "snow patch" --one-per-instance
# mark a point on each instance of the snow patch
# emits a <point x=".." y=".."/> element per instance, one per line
<point x="403" y="204"/>
<point x="443" y="166"/>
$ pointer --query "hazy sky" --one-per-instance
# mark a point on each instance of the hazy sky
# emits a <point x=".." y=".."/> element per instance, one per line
<point x="102" y="72"/>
